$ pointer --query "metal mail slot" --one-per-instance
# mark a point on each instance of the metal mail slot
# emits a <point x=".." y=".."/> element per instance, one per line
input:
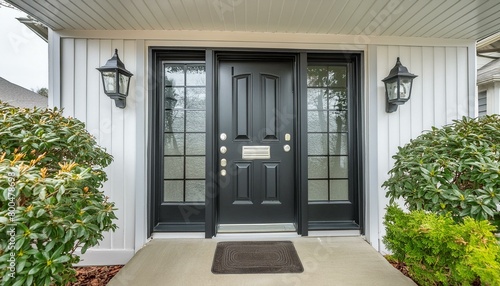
<point x="256" y="152"/>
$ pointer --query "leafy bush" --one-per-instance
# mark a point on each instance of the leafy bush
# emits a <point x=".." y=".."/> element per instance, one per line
<point x="436" y="249"/>
<point x="50" y="203"/>
<point x="454" y="169"/>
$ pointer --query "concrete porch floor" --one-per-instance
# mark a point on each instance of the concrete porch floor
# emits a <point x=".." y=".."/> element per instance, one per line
<point x="326" y="261"/>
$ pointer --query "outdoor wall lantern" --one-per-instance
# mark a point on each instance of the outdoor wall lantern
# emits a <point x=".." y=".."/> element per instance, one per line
<point x="116" y="80"/>
<point x="397" y="87"/>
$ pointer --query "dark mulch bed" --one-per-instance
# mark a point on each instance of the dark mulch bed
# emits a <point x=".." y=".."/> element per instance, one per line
<point x="95" y="275"/>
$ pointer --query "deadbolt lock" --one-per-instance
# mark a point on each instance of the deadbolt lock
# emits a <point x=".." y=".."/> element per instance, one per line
<point x="223" y="162"/>
<point x="223" y="149"/>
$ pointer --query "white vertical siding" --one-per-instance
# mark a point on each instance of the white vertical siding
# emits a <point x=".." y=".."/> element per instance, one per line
<point x="82" y="96"/>
<point x="440" y="94"/>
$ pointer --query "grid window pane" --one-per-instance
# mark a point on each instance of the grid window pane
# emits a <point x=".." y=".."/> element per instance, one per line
<point x="337" y="121"/>
<point x="173" y="191"/>
<point x="195" y="144"/>
<point x="318" y="190"/>
<point x="174" y="75"/>
<point x="173" y="167"/>
<point x="317" y="121"/>
<point x="195" y="121"/>
<point x="317" y="144"/>
<point x="195" y="98"/>
<point x="195" y="167"/>
<point x="173" y="143"/>
<point x="195" y="190"/>
<point x="339" y="190"/>
<point x="337" y="76"/>
<point x="174" y="98"/>
<point x="317" y="98"/>
<point x="174" y="121"/>
<point x="195" y="75"/>
<point x="339" y="167"/>
<point x="338" y="143"/>
<point x="317" y="75"/>
<point x="318" y="167"/>
<point x="337" y="100"/>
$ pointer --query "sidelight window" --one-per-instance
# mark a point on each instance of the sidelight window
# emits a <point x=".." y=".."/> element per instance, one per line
<point x="184" y="97"/>
<point x="327" y="133"/>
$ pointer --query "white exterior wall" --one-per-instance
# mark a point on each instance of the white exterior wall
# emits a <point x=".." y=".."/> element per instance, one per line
<point x="443" y="91"/>
<point x="440" y="94"/>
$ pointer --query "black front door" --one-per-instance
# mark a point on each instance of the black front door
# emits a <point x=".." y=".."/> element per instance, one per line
<point x="256" y="138"/>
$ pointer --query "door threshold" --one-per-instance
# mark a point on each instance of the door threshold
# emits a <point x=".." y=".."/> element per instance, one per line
<point x="257" y="228"/>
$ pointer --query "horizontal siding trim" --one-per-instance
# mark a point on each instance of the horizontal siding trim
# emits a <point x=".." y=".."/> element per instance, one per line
<point x="200" y="38"/>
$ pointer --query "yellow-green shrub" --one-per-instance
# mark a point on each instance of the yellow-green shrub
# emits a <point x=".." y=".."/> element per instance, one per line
<point x="51" y="172"/>
<point x="438" y="249"/>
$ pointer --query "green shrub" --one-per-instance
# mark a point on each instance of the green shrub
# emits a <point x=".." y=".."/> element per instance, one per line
<point x="436" y="249"/>
<point x="454" y="169"/>
<point x="51" y="171"/>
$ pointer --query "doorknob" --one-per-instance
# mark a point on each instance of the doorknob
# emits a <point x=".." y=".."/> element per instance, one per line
<point x="286" y="148"/>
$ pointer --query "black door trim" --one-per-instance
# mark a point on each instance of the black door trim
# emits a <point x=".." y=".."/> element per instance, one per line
<point x="212" y="57"/>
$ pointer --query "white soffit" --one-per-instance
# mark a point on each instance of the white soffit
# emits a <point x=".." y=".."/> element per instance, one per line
<point x="448" y="19"/>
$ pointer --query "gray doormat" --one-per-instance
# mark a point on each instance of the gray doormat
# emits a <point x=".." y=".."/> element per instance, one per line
<point x="248" y="257"/>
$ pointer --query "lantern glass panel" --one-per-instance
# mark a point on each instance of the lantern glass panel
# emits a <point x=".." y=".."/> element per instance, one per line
<point x="123" y="84"/>
<point x="405" y="88"/>
<point x="108" y="79"/>
<point x="392" y="90"/>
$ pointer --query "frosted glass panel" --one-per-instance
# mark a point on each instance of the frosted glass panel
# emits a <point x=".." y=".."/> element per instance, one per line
<point x="195" y="144"/>
<point x="339" y="190"/>
<point x="195" y="190"/>
<point x="195" y="98"/>
<point x="318" y="167"/>
<point x="195" y="167"/>
<point x="195" y="121"/>
<point x="338" y="144"/>
<point x="338" y="121"/>
<point x="195" y="75"/>
<point x="317" y="98"/>
<point x="174" y="98"/>
<point x="174" y="75"/>
<point x="174" y="121"/>
<point x="317" y="121"/>
<point x="337" y="99"/>
<point x="318" y="190"/>
<point x="173" y="167"/>
<point x="339" y="167"/>
<point x="173" y="191"/>
<point x="173" y="143"/>
<point x="337" y="76"/>
<point x="317" y="144"/>
<point x="317" y="75"/>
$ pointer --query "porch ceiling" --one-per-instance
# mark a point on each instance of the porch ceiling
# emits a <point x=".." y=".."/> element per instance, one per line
<point x="454" y="19"/>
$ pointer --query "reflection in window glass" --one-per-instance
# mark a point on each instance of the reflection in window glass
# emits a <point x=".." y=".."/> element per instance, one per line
<point x="184" y="96"/>
<point x="327" y="128"/>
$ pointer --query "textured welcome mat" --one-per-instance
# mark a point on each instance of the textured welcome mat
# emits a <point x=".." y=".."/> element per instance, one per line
<point x="247" y="257"/>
